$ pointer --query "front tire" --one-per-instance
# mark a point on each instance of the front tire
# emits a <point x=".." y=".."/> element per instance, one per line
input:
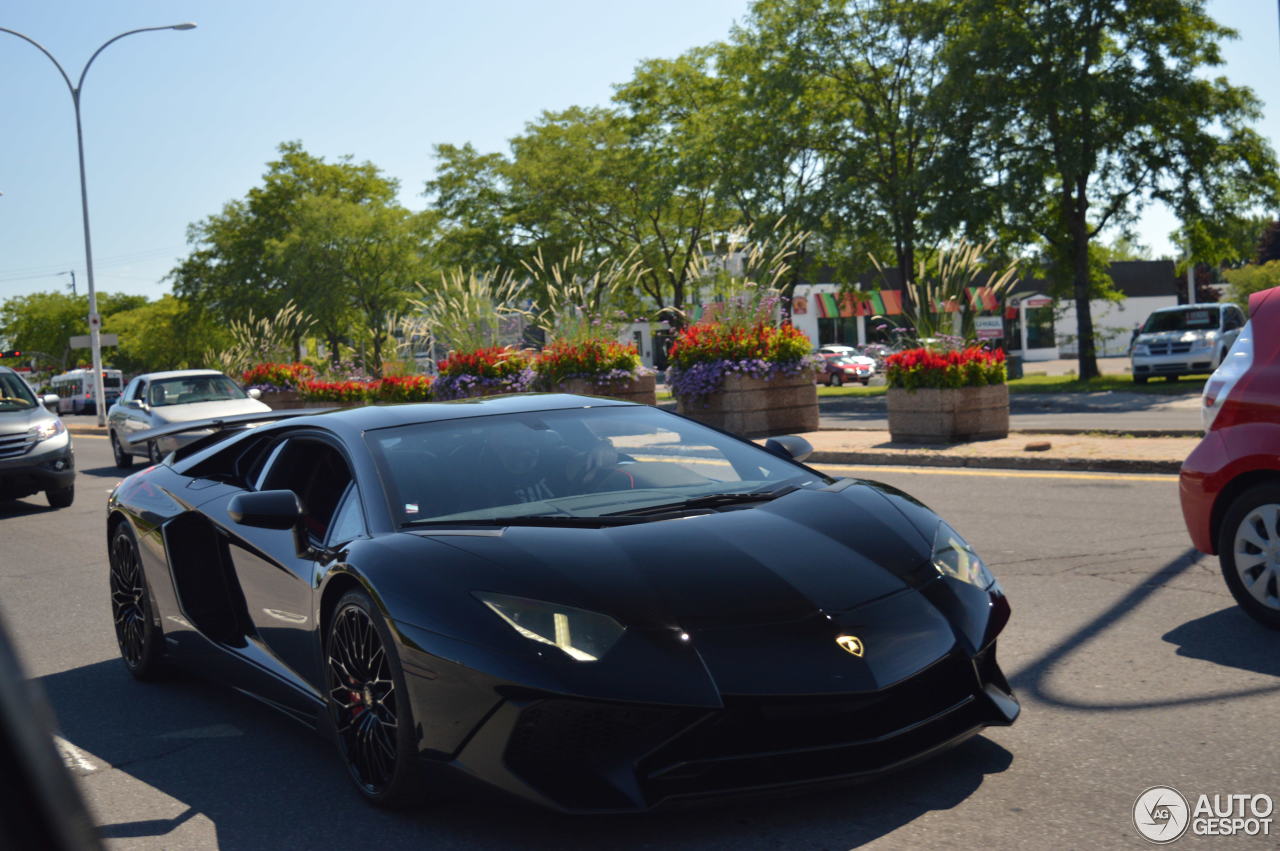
<point x="836" y="381"/>
<point x="123" y="459"/>
<point x="1249" y="552"/>
<point x="368" y="704"/>
<point x="153" y="453"/>
<point x="1140" y="379"/>
<point x="61" y="497"/>
<point x="140" y="640"/>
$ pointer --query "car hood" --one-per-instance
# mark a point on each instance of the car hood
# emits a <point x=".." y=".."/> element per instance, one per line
<point x="806" y="553"/>
<point x="205" y="410"/>
<point x="18" y="422"/>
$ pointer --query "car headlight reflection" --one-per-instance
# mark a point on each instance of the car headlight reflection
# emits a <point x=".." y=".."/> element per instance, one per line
<point x="46" y="430"/>
<point x="953" y="557"/>
<point x="582" y="635"/>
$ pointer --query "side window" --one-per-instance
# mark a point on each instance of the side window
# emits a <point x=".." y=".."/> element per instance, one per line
<point x="348" y="521"/>
<point x="1235" y="319"/>
<point x="317" y="473"/>
<point x="138" y="390"/>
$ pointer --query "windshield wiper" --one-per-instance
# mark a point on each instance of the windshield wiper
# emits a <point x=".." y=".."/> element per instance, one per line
<point x="710" y="500"/>
<point x="526" y="520"/>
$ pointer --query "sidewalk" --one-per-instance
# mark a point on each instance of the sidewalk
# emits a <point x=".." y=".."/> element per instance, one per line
<point x="1084" y="452"/>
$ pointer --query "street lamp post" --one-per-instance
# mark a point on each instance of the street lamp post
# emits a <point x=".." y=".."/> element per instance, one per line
<point x="95" y="321"/>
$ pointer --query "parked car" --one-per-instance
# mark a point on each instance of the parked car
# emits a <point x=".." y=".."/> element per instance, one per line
<point x="163" y="398"/>
<point x="1183" y="340"/>
<point x="837" y="369"/>
<point x="35" y="448"/>
<point x="1230" y="483"/>
<point x="595" y="605"/>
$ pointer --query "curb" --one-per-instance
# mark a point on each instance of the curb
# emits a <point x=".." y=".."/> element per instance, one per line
<point x="77" y="428"/>
<point x="1083" y="465"/>
<point x="1068" y="430"/>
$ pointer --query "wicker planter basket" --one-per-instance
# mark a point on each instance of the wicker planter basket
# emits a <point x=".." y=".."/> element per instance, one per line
<point x="759" y="407"/>
<point x="642" y="389"/>
<point x="949" y="415"/>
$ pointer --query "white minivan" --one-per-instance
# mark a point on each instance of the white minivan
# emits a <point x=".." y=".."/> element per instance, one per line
<point x="1184" y="340"/>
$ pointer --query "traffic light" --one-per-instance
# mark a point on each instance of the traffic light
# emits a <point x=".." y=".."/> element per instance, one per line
<point x="12" y="353"/>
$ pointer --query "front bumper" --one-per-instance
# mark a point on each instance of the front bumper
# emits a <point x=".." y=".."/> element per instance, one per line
<point x="1174" y="364"/>
<point x="48" y="465"/>
<point x="577" y="755"/>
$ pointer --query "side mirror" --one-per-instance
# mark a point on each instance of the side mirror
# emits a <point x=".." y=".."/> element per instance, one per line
<point x="255" y="393"/>
<point x="49" y="400"/>
<point x="792" y="447"/>
<point x="266" y="509"/>
<point x="273" y="510"/>
<point x="136" y="404"/>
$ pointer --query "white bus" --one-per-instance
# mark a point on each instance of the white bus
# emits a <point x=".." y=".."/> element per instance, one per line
<point x="75" y="390"/>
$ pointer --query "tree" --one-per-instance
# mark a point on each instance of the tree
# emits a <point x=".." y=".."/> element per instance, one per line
<point x="1092" y="108"/>
<point x="163" y="334"/>
<point x="46" y="322"/>
<point x="1251" y="279"/>
<point x="272" y="247"/>
<point x="1268" y="247"/>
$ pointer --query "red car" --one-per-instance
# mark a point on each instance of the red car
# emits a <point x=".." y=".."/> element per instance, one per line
<point x="839" y="368"/>
<point x="1230" y="483"/>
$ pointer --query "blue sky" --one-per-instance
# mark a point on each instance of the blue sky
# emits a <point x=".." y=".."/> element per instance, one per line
<point x="177" y="123"/>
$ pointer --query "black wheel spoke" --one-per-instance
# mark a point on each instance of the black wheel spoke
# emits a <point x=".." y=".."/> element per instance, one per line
<point x="129" y="607"/>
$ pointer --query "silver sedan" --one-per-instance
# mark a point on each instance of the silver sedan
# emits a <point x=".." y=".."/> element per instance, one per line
<point x="163" y="398"/>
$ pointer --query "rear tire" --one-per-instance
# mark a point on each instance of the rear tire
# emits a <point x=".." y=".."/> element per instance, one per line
<point x="137" y="633"/>
<point x="61" y="497"/>
<point x="1249" y="530"/>
<point x="866" y="381"/>
<point x="368" y="706"/>
<point x="123" y="459"/>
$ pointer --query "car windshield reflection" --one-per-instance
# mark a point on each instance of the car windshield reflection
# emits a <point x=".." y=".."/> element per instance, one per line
<point x="575" y="464"/>
<point x="193" y="388"/>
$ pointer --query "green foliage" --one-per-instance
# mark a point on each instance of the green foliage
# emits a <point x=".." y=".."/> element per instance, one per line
<point x="1084" y="110"/>
<point x="46" y="322"/>
<point x="328" y="238"/>
<point x="164" y="334"/>
<point x="468" y="310"/>
<point x="1250" y="279"/>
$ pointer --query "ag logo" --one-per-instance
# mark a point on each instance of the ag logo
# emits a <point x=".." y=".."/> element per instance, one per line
<point x="851" y="644"/>
<point x="1161" y="814"/>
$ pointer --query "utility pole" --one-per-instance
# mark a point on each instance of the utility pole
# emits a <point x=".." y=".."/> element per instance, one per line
<point x="72" y="273"/>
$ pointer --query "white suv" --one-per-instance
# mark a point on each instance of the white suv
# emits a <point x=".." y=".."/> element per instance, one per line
<point x="1190" y="338"/>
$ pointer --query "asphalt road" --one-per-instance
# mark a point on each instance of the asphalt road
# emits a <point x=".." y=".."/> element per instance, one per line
<point x="1133" y="665"/>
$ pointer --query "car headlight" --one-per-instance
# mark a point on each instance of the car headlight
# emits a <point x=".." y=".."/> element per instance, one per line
<point x="44" y="431"/>
<point x="1141" y="349"/>
<point x="583" y="636"/>
<point x="953" y="557"/>
<point x="1203" y="344"/>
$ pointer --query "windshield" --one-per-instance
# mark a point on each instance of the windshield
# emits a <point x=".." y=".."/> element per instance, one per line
<point x="15" y="395"/>
<point x="1199" y="319"/>
<point x="584" y="463"/>
<point x="192" y="388"/>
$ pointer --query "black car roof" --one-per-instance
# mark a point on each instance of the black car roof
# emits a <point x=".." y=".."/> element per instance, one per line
<point x="387" y="416"/>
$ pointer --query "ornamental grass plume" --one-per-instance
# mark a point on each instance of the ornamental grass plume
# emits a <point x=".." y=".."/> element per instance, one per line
<point x="926" y="368"/>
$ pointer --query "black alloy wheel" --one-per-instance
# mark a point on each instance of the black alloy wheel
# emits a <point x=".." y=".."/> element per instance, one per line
<point x="123" y="459"/>
<point x="136" y="633"/>
<point x="368" y="704"/>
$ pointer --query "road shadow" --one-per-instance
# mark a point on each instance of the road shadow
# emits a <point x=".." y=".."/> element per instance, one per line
<point x="24" y="507"/>
<point x="1229" y="638"/>
<point x="264" y="781"/>
<point x="111" y="471"/>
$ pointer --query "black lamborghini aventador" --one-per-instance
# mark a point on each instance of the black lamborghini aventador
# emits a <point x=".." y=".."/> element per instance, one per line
<point x="595" y="605"/>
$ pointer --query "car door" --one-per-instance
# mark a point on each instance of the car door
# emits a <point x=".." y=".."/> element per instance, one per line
<point x="278" y="582"/>
<point x="134" y="414"/>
